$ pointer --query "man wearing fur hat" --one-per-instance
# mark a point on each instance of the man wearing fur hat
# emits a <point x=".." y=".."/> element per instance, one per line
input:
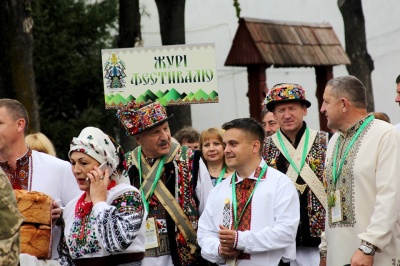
<point x="173" y="203"/>
<point x="299" y="152"/>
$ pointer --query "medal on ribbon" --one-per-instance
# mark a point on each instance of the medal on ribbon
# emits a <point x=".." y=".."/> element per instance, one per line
<point x="331" y="199"/>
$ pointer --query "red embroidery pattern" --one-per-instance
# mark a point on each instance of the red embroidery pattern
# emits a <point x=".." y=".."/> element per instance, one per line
<point x="20" y="177"/>
<point x="84" y="208"/>
<point x="243" y="192"/>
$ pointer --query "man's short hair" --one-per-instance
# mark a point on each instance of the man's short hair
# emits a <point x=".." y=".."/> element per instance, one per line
<point x="187" y="134"/>
<point x="381" y="116"/>
<point x="264" y="112"/>
<point x="248" y="125"/>
<point x="398" y="79"/>
<point x="351" y="88"/>
<point x="16" y="110"/>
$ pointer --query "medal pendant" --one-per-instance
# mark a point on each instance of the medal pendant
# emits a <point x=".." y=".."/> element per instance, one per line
<point x="331" y="199"/>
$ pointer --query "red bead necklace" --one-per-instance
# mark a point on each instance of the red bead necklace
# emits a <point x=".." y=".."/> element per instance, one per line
<point x="84" y="208"/>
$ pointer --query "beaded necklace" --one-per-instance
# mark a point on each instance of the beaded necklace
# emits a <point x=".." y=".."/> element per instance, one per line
<point x="84" y="208"/>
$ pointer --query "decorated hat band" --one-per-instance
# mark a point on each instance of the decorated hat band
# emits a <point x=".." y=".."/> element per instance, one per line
<point x="285" y="92"/>
<point x="139" y="117"/>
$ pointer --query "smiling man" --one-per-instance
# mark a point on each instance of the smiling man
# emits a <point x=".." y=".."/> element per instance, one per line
<point x="167" y="176"/>
<point x="299" y="152"/>
<point x="251" y="217"/>
<point x="31" y="170"/>
<point x="362" y="174"/>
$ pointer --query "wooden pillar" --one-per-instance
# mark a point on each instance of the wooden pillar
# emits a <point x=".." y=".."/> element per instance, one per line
<point x="257" y="77"/>
<point x="323" y="75"/>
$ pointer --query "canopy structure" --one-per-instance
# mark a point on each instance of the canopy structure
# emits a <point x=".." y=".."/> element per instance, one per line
<point x="260" y="44"/>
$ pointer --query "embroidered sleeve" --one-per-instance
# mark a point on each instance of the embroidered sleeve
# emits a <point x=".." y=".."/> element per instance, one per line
<point x="64" y="258"/>
<point x="207" y="233"/>
<point x="119" y="223"/>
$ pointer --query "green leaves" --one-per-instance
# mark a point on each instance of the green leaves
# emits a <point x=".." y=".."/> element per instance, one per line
<point x="68" y="37"/>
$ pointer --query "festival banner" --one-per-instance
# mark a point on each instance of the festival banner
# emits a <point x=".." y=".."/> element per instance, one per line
<point x="172" y="75"/>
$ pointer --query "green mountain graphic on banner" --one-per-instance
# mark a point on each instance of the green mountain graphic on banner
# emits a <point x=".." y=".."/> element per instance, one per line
<point x="168" y="97"/>
<point x="172" y="95"/>
<point x="118" y="98"/>
<point x="213" y="95"/>
<point x="200" y="94"/>
<point x="160" y="94"/>
<point x="145" y="97"/>
<point x="107" y="98"/>
<point x="130" y="98"/>
<point x="189" y="96"/>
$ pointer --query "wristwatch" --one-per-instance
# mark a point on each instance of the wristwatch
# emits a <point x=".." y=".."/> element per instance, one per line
<point x="367" y="250"/>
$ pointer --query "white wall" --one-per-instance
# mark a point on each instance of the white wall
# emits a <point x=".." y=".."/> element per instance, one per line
<point x="215" y="21"/>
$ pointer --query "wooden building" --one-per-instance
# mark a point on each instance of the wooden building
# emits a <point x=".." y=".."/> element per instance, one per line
<point x="260" y="44"/>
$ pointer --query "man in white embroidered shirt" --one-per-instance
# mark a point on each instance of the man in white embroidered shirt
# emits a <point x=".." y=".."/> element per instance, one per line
<point x="251" y="217"/>
<point x="363" y="185"/>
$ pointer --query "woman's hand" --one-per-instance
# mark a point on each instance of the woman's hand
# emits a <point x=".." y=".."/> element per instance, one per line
<point x="99" y="182"/>
<point x="56" y="213"/>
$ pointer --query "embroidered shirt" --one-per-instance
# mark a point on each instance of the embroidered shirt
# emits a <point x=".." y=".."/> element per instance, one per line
<point x="113" y="227"/>
<point x="312" y="213"/>
<point x="20" y="177"/>
<point x="369" y="185"/>
<point x="268" y="230"/>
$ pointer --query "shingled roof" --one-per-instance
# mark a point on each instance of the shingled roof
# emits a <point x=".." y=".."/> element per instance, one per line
<point x="285" y="44"/>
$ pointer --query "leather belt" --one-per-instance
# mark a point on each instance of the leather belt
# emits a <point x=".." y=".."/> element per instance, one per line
<point x="110" y="260"/>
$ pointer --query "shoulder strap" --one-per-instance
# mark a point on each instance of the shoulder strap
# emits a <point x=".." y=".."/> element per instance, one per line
<point x="306" y="173"/>
<point x="165" y="197"/>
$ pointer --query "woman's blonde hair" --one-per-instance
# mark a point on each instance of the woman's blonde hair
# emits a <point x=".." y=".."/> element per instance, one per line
<point x="211" y="133"/>
<point x="39" y="142"/>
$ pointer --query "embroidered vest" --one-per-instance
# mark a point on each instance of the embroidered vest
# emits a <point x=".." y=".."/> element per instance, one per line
<point x="180" y="177"/>
<point x="316" y="161"/>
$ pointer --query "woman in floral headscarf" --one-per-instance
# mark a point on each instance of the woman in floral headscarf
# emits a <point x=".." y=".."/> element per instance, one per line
<point x="104" y="225"/>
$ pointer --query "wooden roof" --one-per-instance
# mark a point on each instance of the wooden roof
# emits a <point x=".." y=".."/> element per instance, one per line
<point x="285" y="44"/>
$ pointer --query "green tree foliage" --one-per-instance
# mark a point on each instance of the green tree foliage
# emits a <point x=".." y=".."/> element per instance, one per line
<point x="68" y="38"/>
<point x="236" y="4"/>
<point x="17" y="78"/>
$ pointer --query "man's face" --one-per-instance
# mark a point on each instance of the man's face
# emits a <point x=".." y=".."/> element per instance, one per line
<point x="397" y="99"/>
<point x="289" y="116"/>
<point x="9" y="129"/>
<point x="332" y="108"/>
<point x="155" y="142"/>
<point x="192" y="145"/>
<point x="238" y="148"/>
<point x="269" y="124"/>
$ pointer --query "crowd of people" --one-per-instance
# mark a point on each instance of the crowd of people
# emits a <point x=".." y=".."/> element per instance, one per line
<point x="249" y="193"/>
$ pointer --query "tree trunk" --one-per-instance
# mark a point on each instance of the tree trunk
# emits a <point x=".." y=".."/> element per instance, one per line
<point x="323" y="75"/>
<point x="356" y="45"/>
<point x="129" y="23"/>
<point x="16" y="28"/>
<point x="130" y="35"/>
<point x="256" y="77"/>
<point x="6" y="88"/>
<point x="172" y="28"/>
